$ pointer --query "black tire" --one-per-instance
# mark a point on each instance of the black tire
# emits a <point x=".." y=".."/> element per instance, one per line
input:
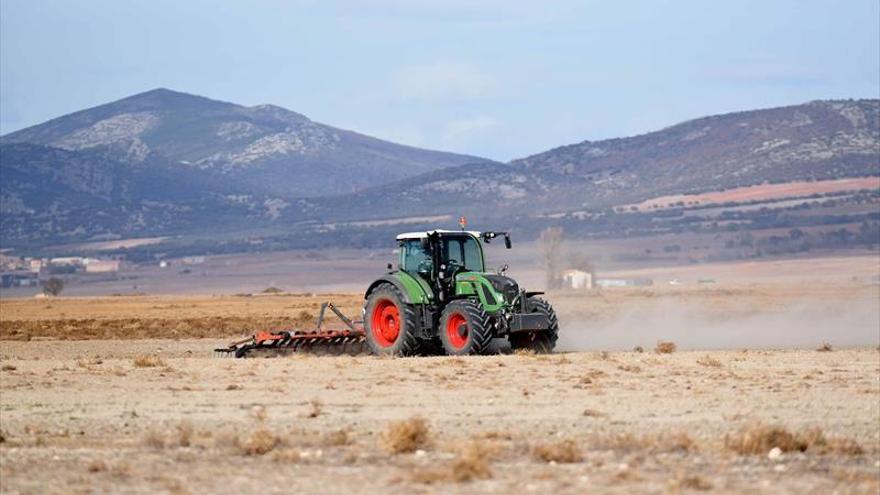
<point x="544" y="341"/>
<point x="406" y="343"/>
<point x="471" y="334"/>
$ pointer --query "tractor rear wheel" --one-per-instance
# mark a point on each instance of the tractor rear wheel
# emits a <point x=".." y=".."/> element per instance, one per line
<point x="464" y="328"/>
<point x="390" y="323"/>
<point x="541" y="342"/>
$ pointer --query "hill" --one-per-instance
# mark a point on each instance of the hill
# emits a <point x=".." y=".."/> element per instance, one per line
<point x="262" y="149"/>
<point x="814" y="141"/>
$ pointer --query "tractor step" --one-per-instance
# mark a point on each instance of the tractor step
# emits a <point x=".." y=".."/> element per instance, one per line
<point x="351" y="341"/>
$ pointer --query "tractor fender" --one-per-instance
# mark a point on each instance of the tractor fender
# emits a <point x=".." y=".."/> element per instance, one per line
<point x="407" y="292"/>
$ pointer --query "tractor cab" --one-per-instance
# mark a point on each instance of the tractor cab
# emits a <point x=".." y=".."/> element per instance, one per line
<point x="438" y="254"/>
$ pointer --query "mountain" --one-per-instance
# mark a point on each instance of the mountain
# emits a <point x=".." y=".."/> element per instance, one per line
<point x="52" y="193"/>
<point x="166" y="163"/>
<point x="817" y="140"/>
<point x="262" y="149"/>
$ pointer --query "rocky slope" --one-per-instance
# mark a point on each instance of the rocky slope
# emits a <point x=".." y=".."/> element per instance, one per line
<point x="817" y="140"/>
<point x="262" y="149"/>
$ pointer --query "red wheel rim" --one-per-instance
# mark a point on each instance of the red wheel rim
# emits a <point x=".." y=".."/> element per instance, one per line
<point x="457" y="330"/>
<point x="385" y="323"/>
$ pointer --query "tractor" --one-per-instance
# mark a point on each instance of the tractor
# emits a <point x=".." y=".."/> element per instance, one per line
<point x="441" y="299"/>
<point x="441" y="296"/>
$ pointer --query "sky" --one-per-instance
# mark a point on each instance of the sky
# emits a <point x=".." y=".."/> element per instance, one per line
<point x="500" y="79"/>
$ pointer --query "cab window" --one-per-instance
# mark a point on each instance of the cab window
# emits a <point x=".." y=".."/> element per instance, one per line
<point x="413" y="256"/>
<point x="465" y="251"/>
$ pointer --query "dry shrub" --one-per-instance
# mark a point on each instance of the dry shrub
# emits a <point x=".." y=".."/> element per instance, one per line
<point x="272" y="290"/>
<point x="630" y="368"/>
<point x="561" y="451"/>
<point x="148" y="361"/>
<point x="185" y="432"/>
<point x="154" y="439"/>
<point x="709" y="361"/>
<point x="315" y="408"/>
<point x="97" y="466"/>
<point x="234" y="386"/>
<point x="8" y="367"/>
<point x="664" y="442"/>
<point x="471" y="463"/>
<point x="638" y="349"/>
<point x="694" y="482"/>
<point x="593" y="413"/>
<point x="758" y="439"/>
<point x="405" y="436"/>
<point x="825" y="347"/>
<point x="665" y="347"/>
<point x="260" y="442"/>
<point x="338" y="438"/>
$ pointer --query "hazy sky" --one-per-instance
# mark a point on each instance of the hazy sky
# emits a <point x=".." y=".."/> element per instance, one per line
<point x="497" y="78"/>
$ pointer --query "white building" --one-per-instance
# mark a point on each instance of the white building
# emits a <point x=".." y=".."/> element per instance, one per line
<point x="577" y="280"/>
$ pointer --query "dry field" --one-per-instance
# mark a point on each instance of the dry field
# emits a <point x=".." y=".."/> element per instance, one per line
<point x="116" y="395"/>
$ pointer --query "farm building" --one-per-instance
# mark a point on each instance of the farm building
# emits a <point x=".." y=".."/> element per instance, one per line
<point x="577" y="280"/>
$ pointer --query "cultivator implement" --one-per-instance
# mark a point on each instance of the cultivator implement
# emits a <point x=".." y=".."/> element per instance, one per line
<point x="351" y="340"/>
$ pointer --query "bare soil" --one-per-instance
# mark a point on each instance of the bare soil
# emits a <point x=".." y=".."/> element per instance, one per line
<point x="159" y="415"/>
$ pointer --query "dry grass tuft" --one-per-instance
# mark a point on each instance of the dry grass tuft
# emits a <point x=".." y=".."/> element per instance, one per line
<point x="97" y="466"/>
<point x="185" y="433"/>
<point x="593" y="413"/>
<point x="338" y="438"/>
<point x="709" y="361"/>
<point x="563" y="451"/>
<point x="405" y="436"/>
<point x="8" y="367"/>
<point x="472" y="463"/>
<point x="665" y="347"/>
<point x="627" y="442"/>
<point x="825" y="347"/>
<point x="315" y="408"/>
<point x="148" y="361"/>
<point x="260" y="442"/>
<point x="759" y="439"/>
<point x="524" y="352"/>
<point x="154" y="439"/>
<point x="694" y="482"/>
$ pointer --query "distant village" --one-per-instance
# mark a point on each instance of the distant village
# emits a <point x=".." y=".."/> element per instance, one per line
<point x="28" y="272"/>
<point x="23" y="271"/>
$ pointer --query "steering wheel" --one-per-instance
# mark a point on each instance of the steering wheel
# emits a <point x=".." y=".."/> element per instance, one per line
<point x="454" y="267"/>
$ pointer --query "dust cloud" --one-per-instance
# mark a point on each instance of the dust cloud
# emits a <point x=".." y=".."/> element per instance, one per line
<point x="802" y="324"/>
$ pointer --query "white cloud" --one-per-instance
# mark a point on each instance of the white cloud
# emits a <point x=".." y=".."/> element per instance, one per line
<point x="444" y="81"/>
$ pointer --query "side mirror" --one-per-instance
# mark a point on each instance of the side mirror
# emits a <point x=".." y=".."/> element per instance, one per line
<point x="507" y="243"/>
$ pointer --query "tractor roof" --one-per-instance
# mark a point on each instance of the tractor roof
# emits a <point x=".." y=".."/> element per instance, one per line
<point x="419" y="235"/>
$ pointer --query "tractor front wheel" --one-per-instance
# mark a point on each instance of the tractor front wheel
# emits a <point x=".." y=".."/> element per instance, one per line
<point x="541" y="342"/>
<point x="390" y="323"/>
<point x="465" y="328"/>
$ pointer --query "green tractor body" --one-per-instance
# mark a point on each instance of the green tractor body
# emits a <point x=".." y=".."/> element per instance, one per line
<point x="442" y="296"/>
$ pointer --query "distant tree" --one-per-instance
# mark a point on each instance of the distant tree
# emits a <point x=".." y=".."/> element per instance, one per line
<point x="53" y="286"/>
<point x="550" y="247"/>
